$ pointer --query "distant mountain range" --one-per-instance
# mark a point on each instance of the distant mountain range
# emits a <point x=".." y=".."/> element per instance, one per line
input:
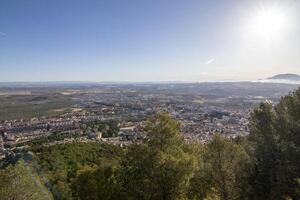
<point x="288" y="77"/>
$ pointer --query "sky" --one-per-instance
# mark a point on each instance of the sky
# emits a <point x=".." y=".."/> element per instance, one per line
<point x="148" y="40"/>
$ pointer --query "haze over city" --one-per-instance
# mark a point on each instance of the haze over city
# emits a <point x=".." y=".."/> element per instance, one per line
<point x="172" y="40"/>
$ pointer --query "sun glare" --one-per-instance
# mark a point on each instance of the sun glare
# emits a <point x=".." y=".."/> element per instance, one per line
<point x="268" y="22"/>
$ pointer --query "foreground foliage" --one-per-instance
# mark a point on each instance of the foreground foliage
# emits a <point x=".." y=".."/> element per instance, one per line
<point x="19" y="182"/>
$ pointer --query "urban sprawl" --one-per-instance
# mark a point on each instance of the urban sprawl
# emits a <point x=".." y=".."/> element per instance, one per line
<point x="129" y="107"/>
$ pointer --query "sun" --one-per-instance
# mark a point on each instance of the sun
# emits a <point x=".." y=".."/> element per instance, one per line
<point x="268" y="22"/>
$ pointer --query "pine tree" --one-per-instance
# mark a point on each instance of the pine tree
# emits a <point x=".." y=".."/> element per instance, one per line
<point x="161" y="168"/>
<point x="222" y="172"/>
<point x="274" y="146"/>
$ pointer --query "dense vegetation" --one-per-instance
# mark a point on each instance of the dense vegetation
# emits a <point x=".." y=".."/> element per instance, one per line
<point x="19" y="182"/>
<point x="61" y="164"/>
<point x="263" y="166"/>
<point x="108" y="129"/>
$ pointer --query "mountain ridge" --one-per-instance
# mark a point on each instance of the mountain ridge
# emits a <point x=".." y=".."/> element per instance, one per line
<point x="288" y="76"/>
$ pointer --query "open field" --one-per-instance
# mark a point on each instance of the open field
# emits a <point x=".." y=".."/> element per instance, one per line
<point x="36" y="105"/>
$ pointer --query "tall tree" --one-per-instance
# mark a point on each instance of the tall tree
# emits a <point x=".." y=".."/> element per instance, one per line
<point x="265" y="153"/>
<point x="161" y="168"/>
<point x="221" y="176"/>
<point x="287" y="125"/>
<point x="274" y="143"/>
<point x="163" y="133"/>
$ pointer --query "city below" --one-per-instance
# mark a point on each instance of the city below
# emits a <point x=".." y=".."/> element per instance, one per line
<point x="60" y="113"/>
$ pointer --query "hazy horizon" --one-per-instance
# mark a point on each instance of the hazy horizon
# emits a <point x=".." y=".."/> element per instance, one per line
<point x="148" y="41"/>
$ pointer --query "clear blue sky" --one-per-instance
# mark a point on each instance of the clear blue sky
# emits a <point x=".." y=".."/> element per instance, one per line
<point x="144" y="40"/>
